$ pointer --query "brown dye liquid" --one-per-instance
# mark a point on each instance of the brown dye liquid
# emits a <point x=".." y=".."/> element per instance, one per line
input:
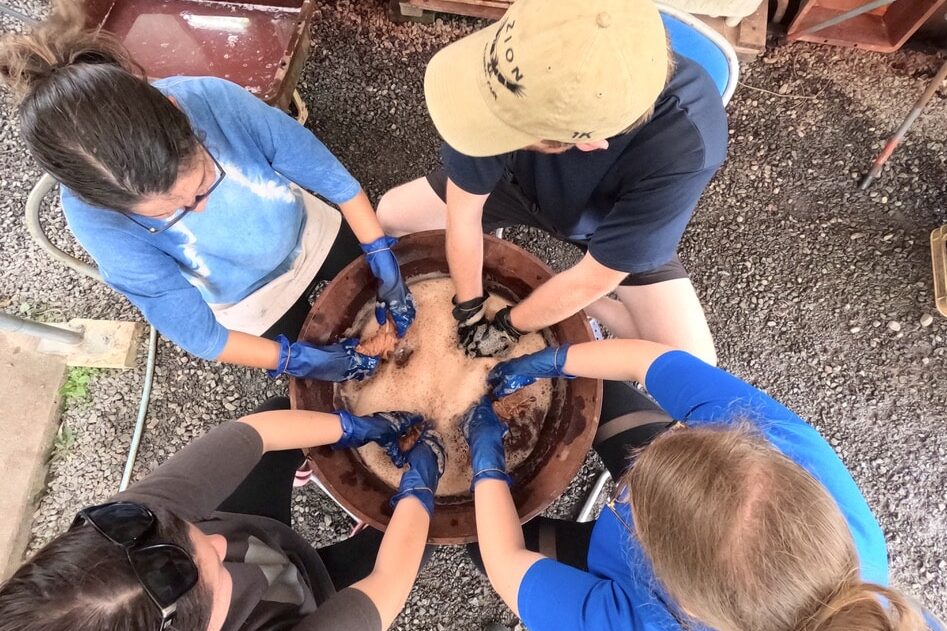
<point x="440" y="382"/>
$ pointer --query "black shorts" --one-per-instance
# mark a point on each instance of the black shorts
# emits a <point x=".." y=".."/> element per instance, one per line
<point x="508" y="206"/>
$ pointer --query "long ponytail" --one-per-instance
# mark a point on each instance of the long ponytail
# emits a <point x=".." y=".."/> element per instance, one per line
<point x="27" y="61"/>
<point x="88" y="114"/>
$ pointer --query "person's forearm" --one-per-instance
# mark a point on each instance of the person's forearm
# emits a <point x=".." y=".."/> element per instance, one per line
<point x="500" y="537"/>
<point x="465" y="261"/>
<point x="360" y="215"/>
<point x="295" y="429"/>
<point x="465" y="242"/>
<point x="249" y="350"/>
<point x="398" y="560"/>
<point x="565" y="294"/>
<point x="616" y="360"/>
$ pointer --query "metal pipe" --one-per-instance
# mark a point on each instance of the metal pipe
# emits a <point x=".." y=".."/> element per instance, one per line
<point x="586" y="513"/>
<point x="142" y="410"/>
<point x="16" y="324"/>
<point x="875" y="171"/>
<point x="33" y="204"/>
<point x="842" y="17"/>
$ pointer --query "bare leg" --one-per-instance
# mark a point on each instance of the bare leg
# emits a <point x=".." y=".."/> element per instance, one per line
<point x="613" y="314"/>
<point x="411" y="207"/>
<point x="667" y="312"/>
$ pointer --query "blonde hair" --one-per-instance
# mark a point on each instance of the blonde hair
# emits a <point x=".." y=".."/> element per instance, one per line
<point x="744" y="539"/>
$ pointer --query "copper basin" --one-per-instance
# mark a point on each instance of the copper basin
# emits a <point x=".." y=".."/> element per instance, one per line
<point x="567" y="431"/>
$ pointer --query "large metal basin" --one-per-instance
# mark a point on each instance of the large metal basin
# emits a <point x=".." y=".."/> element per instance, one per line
<point x="567" y="430"/>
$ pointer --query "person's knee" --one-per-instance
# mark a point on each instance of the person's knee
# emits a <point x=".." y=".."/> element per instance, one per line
<point x="388" y="215"/>
<point x="708" y="354"/>
<point x="700" y="343"/>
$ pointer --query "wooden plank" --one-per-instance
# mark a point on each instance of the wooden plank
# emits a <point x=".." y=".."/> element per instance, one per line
<point x="748" y="37"/>
<point x="490" y="9"/>
<point x="939" y="261"/>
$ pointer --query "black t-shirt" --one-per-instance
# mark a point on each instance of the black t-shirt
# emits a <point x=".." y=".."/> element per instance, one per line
<point x="631" y="201"/>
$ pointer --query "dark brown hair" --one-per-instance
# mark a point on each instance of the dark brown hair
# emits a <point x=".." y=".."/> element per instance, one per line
<point x="83" y="582"/>
<point x="89" y="116"/>
<point x="744" y="539"/>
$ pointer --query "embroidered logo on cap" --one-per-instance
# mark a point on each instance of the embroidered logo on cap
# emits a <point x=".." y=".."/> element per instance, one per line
<point x="500" y="50"/>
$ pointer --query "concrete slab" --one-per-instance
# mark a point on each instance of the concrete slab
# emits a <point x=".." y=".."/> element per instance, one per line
<point x="29" y="415"/>
<point x="105" y="344"/>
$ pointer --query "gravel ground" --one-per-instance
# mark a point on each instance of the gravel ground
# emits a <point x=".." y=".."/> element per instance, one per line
<point x="814" y="290"/>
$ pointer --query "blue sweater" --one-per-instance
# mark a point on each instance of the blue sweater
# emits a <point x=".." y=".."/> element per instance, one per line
<point x="247" y="235"/>
<point x="620" y="590"/>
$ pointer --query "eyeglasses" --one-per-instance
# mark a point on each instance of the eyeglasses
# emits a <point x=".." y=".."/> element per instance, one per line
<point x="621" y="487"/>
<point x="182" y="212"/>
<point x="166" y="571"/>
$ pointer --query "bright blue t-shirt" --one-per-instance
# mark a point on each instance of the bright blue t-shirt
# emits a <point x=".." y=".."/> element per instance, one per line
<point x="620" y="590"/>
<point x="249" y="232"/>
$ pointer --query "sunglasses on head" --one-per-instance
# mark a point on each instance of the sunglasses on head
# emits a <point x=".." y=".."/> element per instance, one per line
<point x="181" y="213"/>
<point x="166" y="571"/>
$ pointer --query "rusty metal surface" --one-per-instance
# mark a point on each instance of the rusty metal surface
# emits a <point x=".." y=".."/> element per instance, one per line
<point x="260" y="45"/>
<point x="567" y="431"/>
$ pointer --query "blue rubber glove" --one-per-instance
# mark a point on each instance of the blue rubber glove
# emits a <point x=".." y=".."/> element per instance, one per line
<point x="383" y="428"/>
<point x="509" y="376"/>
<point x="484" y="432"/>
<point x="335" y="362"/>
<point x="394" y="299"/>
<point x="426" y="462"/>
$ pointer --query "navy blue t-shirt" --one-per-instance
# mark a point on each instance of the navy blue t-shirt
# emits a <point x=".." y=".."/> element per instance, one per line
<point x="631" y="201"/>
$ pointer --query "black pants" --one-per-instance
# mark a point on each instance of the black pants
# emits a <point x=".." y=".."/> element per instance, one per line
<point x="267" y="492"/>
<point x="630" y="421"/>
<point x="345" y="249"/>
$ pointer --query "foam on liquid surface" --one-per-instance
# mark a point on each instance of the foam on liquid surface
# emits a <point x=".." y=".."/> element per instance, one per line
<point x="440" y="382"/>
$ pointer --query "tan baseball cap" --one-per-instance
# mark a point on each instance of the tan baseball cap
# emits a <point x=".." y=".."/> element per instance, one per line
<point x="564" y="70"/>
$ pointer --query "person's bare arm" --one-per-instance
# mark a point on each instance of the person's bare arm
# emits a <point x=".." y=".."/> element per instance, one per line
<point x="249" y="350"/>
<point x="565" y="294"/>
<point x="500" y="537"/>
<point x="295" y="429"/>
<point x="398" y="560"/>
<point x="360" y="215"/>
<point x="465" y="241"/>
<point x="616" y="360"/>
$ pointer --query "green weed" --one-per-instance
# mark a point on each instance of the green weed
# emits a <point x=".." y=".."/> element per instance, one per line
<point x="75" y="389"/>
<point x="64" y="441"/>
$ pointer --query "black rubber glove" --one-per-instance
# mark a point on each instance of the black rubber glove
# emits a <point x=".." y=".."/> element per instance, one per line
<point x="480" y="337"/>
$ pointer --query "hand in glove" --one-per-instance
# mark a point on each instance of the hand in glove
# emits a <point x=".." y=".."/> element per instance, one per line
<point x="335" y="362"/>
<point x="480" y="337"/>
<point x="426" y="462"/>
<point x="384" y="428"/>
<point x="512" y="375"/>
<point x="484" y="432"/>
<point x="394" y="299"/>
